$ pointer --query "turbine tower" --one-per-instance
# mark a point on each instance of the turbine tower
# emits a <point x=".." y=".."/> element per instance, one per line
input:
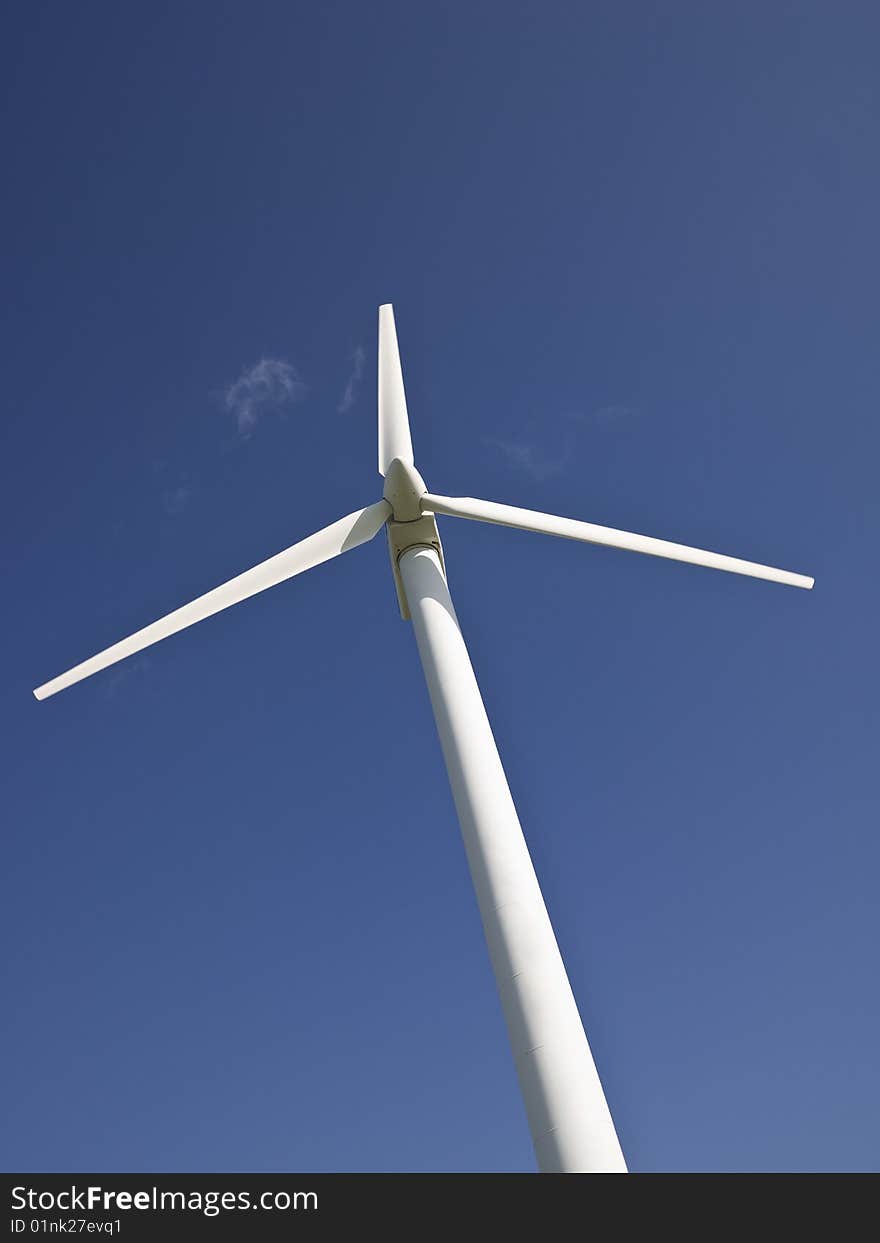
<point x="568" y="1115"/>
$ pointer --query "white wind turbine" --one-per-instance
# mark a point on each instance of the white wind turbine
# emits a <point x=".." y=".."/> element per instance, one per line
<point x="568" y="1116"/>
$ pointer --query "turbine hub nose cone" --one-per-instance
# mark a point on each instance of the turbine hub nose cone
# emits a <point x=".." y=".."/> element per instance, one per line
<point x="404" y="489"/>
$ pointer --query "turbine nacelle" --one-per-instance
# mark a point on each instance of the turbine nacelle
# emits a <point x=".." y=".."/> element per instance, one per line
<point x="404" y="489"/>
<point x="408" y="527"/>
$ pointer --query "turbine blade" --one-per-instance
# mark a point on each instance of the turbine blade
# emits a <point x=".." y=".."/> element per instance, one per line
<point x="394" y="437"/>
<point x="348" y="532"/>
<point x="568" y="528"/>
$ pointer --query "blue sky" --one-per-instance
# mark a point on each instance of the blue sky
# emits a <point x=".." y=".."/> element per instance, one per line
<point x="633" y="257"/>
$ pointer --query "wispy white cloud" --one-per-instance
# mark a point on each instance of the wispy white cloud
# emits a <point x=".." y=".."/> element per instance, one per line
<point x="270" y="384"/>
<point x="559" y="445"/>
<point x="358" y="358"/>
<point x="176" y="488"/>
<point x="524" y="456"/>
<point x="176" y="499"/>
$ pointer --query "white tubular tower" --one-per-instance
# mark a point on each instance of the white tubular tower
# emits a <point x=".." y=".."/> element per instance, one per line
<point x="569" y="1119"/>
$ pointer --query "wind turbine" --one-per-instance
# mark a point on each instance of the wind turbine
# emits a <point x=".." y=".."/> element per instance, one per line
<point x="568" y="1116"/>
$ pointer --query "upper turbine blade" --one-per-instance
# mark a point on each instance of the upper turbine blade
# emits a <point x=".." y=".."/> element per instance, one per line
<point x="568" y="528"/>
<point x="394" y="437"/>
<point x="356" y="528"/>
